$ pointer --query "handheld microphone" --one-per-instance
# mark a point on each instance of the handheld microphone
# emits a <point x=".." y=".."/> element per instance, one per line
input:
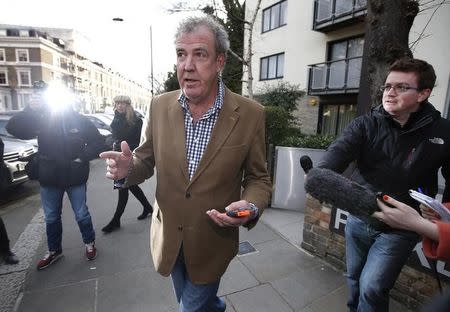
<point x="339" y="191"/>
<point x="306" y="163"/>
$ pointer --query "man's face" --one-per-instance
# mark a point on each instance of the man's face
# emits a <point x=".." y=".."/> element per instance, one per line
<point x="399" y="102"/>
<point x="198" y="65"/>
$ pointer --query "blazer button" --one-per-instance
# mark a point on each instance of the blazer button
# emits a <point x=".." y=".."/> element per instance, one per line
<point x="188" y="195"/>
<point x="180" y="228"/>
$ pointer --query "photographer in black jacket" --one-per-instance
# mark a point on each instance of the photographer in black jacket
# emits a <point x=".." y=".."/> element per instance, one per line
<point x="126" y="126"/>
<point x="67" y="142"/>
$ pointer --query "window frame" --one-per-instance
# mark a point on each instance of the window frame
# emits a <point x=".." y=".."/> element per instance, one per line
<point x="269" y="9"/>
<point x="347" y="41"/>
<point x="27" y="53"/>
<point x="5" y="71"/>
<point x="2" y="53"/>
<point x="277" y="55"/>
<point x="19" y="79"/>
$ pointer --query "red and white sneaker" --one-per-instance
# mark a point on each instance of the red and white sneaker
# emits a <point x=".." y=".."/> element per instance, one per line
<point x="49" y="258"/>
<point x="91" y="251"/>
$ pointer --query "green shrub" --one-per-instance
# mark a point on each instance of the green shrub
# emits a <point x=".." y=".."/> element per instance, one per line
<point x="284" y="95"/>
<point x="279" y="124"/>
<point x="316" y="141"/>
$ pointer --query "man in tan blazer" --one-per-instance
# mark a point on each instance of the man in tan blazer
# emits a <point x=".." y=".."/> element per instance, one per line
<point x="207" y="145"/>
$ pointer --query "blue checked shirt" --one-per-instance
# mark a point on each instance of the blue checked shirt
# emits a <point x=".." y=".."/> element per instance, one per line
<point x="199" y="133"/>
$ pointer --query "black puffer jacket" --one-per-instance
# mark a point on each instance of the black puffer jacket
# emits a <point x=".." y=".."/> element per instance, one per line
<point x="123" y="131"/>
<point x="391" y="158"/>
<point x="67" y="142"/>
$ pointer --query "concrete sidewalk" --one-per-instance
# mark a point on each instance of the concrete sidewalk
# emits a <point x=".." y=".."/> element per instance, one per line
<point x="276" y="276"/>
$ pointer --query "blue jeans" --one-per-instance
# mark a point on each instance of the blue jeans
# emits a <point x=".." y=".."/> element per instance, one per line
<point x="374" y="261"/>
<point x="194" y="297"/>
<point x="52" y="198"/>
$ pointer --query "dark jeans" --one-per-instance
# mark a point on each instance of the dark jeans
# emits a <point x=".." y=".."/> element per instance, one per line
<point x="123" y="199"/>
<point x="52" y="202"/>
<point x="374" y="261"/>
<point x="194" y="297"/>
<point x="4" y="241"/>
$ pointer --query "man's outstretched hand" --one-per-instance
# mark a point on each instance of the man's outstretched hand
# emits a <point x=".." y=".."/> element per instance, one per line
<point x="118" y="163"/>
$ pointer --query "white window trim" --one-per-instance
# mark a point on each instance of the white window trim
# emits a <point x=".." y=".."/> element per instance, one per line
<point x="22" y="50"/>
<point x="3" y="53"/>
<point x="5" y="71"/>
<point x="28" y="72"/>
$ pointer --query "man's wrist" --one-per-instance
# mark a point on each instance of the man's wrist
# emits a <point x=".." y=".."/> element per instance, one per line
<point x="255" y="211"/>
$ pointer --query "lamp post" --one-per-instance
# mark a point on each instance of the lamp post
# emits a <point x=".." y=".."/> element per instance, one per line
<point x="119" y="19"/>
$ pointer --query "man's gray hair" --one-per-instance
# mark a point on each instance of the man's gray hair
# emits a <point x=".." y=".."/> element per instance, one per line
<point x="191" y="24"/>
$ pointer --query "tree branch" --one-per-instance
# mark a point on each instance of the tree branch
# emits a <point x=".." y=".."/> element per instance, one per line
<point x="421" y="35"/>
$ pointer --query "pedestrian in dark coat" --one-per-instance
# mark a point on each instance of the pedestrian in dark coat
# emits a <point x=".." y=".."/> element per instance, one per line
<point x="67" y="142"/>
<point x="126" y="126"/>
<point x="5" y="252"/>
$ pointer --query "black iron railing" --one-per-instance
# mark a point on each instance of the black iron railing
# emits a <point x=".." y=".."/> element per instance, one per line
<point x="330" y="13"/>
<point x="335" y="77"/>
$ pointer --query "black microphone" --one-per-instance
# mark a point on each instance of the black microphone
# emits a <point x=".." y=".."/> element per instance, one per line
<point x="333" y="188"/>
<point x="306" y="163"/>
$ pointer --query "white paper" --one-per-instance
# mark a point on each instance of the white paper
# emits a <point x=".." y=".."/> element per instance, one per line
<point x="432" y="203"/>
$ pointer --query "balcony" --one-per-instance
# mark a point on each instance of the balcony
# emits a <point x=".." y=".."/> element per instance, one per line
<point x="330" y="15"/>
<point x="335" y="77"/>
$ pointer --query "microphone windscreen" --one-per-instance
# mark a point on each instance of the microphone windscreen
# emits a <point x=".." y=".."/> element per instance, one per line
<point x="333" y="188"/>
<point x="306" y="163"/>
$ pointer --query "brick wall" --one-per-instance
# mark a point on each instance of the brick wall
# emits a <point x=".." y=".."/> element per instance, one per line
<point x="413" y="287"/>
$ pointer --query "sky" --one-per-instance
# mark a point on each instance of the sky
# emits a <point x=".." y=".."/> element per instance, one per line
<point x="122" y="46"/>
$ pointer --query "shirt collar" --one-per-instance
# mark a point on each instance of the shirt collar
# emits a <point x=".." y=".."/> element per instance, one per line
<point x="217" y="103"/>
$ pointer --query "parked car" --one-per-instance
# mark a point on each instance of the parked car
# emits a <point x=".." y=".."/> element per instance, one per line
<point x="4" y="118"/>
<point x="102" y="122"/>
<point x="12" y="171"/>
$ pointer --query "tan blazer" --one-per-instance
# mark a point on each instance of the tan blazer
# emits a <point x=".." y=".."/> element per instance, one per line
<point x="233" y="167"/>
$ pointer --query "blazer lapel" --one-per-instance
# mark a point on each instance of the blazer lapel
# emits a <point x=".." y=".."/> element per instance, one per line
<point x="228" y="118"/>
<point x="176" y="126"/>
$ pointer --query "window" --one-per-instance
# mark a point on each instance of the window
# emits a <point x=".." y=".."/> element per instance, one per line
<point x="24" y="33"/>
<point x="2" y="55"/>
<point x="345" y="67"/>
<point x="24" y="77"/>
<point x="3" y="77"/>
<point x="272" y="67"/>
<point x="274" y="16"/>
<point x="22" y="55"/>
<point x="336" y="117"/>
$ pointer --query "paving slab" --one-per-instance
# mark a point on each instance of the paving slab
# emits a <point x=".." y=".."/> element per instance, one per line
<point x="304" y="287"/>
<point x="134" y="291"/>
<point x="277" y="259"/>
<point x="74" y="297"/>
<point x="237" y="277"/>
<point x="262" y="298"/>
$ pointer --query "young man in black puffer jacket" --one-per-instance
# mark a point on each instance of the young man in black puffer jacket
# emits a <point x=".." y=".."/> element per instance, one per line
<point x="399" y="145"/>
<point x="67" y="142"/>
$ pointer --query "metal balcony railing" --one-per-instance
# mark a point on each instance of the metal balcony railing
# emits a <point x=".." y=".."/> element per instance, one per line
<point x="332" y="14"/>
<point x="335" y="77"/>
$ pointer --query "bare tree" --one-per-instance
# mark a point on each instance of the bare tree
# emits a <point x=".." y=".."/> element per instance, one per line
<point x="386" y="39"/>
<point x="247" y="60"/>
<point x="388" y="26"/>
